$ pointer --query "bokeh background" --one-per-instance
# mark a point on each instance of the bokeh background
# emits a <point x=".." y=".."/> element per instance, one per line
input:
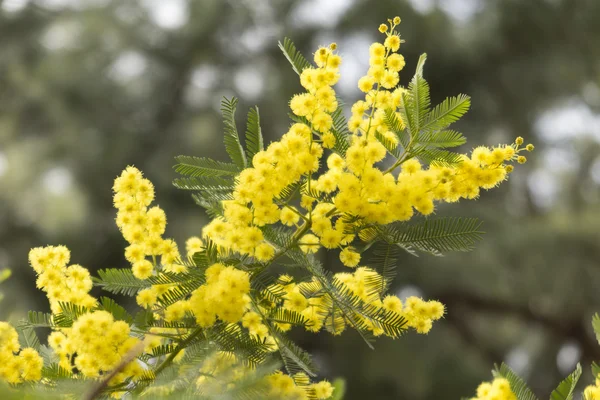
<point x="88" y="87"/>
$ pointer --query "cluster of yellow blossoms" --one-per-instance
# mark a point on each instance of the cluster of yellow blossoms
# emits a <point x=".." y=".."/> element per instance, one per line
<point x="143" y="227"/>
<point x="97" y="344"/>
<point x="62" y="283"/>
<point x="351" y="194"/>
<point x="592" y="392"/>
<point x="16" y="364"/>
<point x="498" y="389"/>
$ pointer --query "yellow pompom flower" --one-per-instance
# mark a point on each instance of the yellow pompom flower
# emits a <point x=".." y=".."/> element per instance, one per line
<point x="349" y="257"/>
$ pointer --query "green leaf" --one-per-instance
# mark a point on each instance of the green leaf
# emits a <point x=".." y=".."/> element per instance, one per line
<point x="118" y="312"/>
<point x="395" y="125"/>
<point x="254" y="138"/>
<point x="202" y="184"/>
<point x="390" y="146"/>
<point x="565" y="390"/>
<point x="418" y="102"/>
<point x="69" y="314"/>
<point x="595" y="370"/>
<point x="200" y="166"/>
<point x="596" y="326"/>
<point x="447" y="112"/>
<point x="339" y="389"/>
<point x="233" y="145"/>
<point x="517" y="385"/>
<point x="441" y="139"/>
<point x="384" y="259"/>
<point x="421" y="64"/>
<point x="54" y="371"/>
<point x="120" y="281"/>
<point x="298" y="61"/>
<point x="437" y="235"/>
<point x="340" y="130"/>
<point x="38" y="319"/>
<point x="434" y="156"/>
<point x="28" y="337"/>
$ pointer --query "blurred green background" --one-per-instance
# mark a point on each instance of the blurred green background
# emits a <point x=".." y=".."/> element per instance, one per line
<point x="88" y="87"/>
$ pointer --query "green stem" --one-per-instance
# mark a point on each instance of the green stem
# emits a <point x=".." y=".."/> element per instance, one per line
<point x="182" y="345"/>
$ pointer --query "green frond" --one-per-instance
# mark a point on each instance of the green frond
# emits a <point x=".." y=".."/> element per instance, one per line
<point x="437" y="235"/>
<point x="201" y="183"/>
<point x="48" y="355"/>
<point x="233" y="145"/>
<point x="28" y="337"/>
<point x="288" y="192"/>
<point x="232" y="338"/>
<point x="418" y="102"/>
<point x="163" y="350"/>
<point x="118" y="312"/>
<point x="340" y="130"/>
<point x="421" y="64"/>
<point x="447" y="112"/>
<point x="200" y="166"/>
<point x="294" y="358"/>
<point x="120" y="281"/>
<point x="384" y="259"/>
<point x="566" y="388"/>
<point x="214" y="208"/>
<point x="55" y="372"/>
<point x="596" y="326"/>
<point x="285" y="316"/>
<point x="435" y="156"/>
<point x="441" y="139"/>
<point x="391" y="323"/>
<point x="390" y="146"/>
<point x="394" y="124"/>
<point x="595" y="369"/>
<point x="69" y="314"/>
<point x="298" y="61"/>
<point x="254" y="138"/>
<point x="517" y="385"/>
<point x="339" y="389"/>
<point x="279" y="235"/>
<point x="37" y="319"/>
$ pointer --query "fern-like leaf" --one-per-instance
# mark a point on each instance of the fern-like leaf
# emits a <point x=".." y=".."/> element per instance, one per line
<point x="233" y="146"/>
<point x="298" y="61"/>
<point x="447" y="112"/>
<point x="117" y="311"/>
<point x="120" y="281"/>
<point x="517" y="385"/>
<point x="596" y="326"/>
<point x="438" y="235"/>
<point x="38" y="319"/>
<point x="200" y="166"/>
<point x="28" y="337"/>
<point x="340" y="130"/>
<point x="254" y="138"/>
<point x="441" y="139"/>
<point x="565" y="390"/>
<point x="384" y="259"/>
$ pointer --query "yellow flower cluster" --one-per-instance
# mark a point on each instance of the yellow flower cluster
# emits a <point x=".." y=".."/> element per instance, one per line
<point x="16" y="364"/>
<point x="498" y="389"/>
<point x="297" y="387"/>
<point x="592" y="392"/>
<point x="224" y="296"/>
<point x="222" y="370"/>
<point x="361" y="189"/>
<point x="143" y="227"/>
<point x="280" y="165"/>
<point x="366" y="284"/>
<point x="62" y="283"/>
<point x="96" y="344"/>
